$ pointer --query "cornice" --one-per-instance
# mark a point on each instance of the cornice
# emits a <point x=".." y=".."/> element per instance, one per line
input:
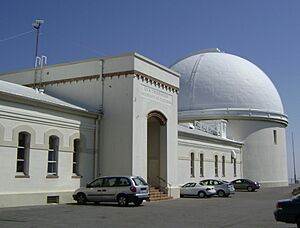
<point x="204" y="146"/>
<point x="133" y="73"/>
<point x="233" y="113"/>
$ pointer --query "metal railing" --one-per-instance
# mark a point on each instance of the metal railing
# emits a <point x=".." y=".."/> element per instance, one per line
<point x="161" y="184"/>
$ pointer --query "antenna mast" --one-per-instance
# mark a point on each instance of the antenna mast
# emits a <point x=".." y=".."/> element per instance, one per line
<point x="36" y="25"/>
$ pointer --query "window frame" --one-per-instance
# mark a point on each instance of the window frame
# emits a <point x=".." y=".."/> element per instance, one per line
<point x="24" y="159"/>
<point x="201" y="165"/>
<point x="55" y="151"/>
<point x="223" y="166"/>
<point x="216" y="166"/>
<point x="275" y="137"/>
<point x="234" y="167"/>
<point x="192" y="164"/>
<point x="75" y="158"/>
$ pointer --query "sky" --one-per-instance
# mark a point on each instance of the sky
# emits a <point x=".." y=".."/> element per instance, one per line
<point x="266" y="33"/>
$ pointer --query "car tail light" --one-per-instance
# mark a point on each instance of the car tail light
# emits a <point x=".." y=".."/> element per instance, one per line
<point x="133" y="189"/>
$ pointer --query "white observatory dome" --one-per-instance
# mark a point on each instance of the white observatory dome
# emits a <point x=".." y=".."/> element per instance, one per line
<point x="212" y="81"/>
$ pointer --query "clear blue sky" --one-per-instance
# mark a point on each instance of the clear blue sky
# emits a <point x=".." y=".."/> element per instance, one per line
<point x="265" y="32"/>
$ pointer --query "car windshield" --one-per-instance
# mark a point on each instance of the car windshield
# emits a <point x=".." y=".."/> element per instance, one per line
<point x="297" y="197"/>
<point x="139" y="181"/>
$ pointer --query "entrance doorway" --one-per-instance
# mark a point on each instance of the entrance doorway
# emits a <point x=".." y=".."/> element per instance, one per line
<point x="156" y="149"/>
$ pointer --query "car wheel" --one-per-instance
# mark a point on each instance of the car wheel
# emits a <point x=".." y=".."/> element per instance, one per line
<point x="250" y="189"/>
<point x="221" y="193"/>
<point x="201" y="194"/>
<point x="123" y="200"/>
<point x="81" y="198"/>
<point x="138" y="202"/>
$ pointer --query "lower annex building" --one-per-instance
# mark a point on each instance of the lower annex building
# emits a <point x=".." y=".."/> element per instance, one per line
<point x="211" y="115"/>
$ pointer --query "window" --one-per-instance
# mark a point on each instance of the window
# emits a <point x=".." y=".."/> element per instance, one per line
<point x="201" y="165"/>
<point x="96" y="183"/>
<point x="53" y="155"/>
<point x="216" y="166"/>
<point x="275" y="137"/>
<point x="223" y="166"/>
<point x="122" y="181"/>
<point x="234" y="167"/>
<point x="23" y="153"/>
<point x="76" y="156"/>
<point x="110" y="182"/>
<point x="192" y="165"/>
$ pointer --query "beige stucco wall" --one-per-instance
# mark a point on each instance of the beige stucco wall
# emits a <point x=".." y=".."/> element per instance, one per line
<point x="41" y="123"/>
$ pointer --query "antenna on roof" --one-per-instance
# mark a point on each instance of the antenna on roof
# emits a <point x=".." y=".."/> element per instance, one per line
<point x="38" y="61"/>
<point x="37" y="25"/>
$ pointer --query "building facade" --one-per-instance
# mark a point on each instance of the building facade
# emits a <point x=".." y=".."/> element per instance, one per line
<point x="63" y="125"/>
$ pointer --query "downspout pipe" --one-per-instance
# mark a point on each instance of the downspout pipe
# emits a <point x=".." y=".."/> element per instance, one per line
<point x="97" y="129"/>
<point x="96" y="154"/>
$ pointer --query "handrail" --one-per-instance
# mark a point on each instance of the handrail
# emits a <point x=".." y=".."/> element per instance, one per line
<point x="169" y="186"/>
<point x="157" y="183"/>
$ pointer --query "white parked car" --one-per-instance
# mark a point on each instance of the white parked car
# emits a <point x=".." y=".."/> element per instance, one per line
<point x="223" y="188"/>
<point x="197" y="189"/>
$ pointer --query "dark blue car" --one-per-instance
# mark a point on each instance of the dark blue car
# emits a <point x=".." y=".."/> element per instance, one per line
<point x="288" y="210"/>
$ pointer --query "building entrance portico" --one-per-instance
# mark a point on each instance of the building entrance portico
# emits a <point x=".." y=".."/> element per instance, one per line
<point x="156" y="148"/>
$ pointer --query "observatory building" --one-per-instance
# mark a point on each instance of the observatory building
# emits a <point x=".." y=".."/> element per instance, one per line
<point x="217" y="86"/>
<point x="210" y="115"/>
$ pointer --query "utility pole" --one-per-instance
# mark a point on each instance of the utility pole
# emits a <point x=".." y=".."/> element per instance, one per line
<point x="36" y="25"/>
<point x="295" y="177"/>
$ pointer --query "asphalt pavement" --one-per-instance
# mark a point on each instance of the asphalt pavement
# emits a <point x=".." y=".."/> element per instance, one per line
<point x="243" y="209"/>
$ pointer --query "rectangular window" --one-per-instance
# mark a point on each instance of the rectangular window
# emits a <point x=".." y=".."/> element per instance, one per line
<point x="216" y="166"/>
<point x="53" y="155"/>
<point x="275" y="137"/>
<point x="23" y="153"/>
<point x="76" y="156"/>
<point x="201" y="165"/>
<point x="223" y="166"/>
<point x="234" y="167"/>
<point x="192" y="165"/>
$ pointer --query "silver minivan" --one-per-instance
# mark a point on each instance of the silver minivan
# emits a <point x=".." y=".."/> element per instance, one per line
<point x="121" y="189"/>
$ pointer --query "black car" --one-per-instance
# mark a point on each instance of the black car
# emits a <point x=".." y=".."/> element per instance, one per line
<point x="245" y="184"/>
<point x="288" y="210"/>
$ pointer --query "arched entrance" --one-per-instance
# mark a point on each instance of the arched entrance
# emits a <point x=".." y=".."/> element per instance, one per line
<point x="156" y="148"/>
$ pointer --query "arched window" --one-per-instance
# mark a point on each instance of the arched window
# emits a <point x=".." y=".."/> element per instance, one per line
<point x="53" y="155"/>
<point x="76" y="156"/>
<point x="201" y="165"/>
<point x="192" y="165"/>
<point x="223" y="166"/>
<point x="216" y="166"/>
<point x="23" y="153"/>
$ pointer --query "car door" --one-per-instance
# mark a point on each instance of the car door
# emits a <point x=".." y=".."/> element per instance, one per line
<point x="245" y="184"/>
<point x="238" y="184"/>
<point x="185" y="189"/>
<point x="191" y="190"/>
<point x="108" y="189"/>
<point x="93" y="190"/>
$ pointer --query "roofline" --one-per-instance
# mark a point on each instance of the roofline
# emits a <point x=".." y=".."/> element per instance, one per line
<point x="135" y="54"/>
<point x="234" y="113"/>
<point x="203" y="51"/>
<point x="198" y="134"/>
<point x="57" y="107"/>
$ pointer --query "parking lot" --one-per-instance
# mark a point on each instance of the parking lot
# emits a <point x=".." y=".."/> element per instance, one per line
<point x="243" y="209"/>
